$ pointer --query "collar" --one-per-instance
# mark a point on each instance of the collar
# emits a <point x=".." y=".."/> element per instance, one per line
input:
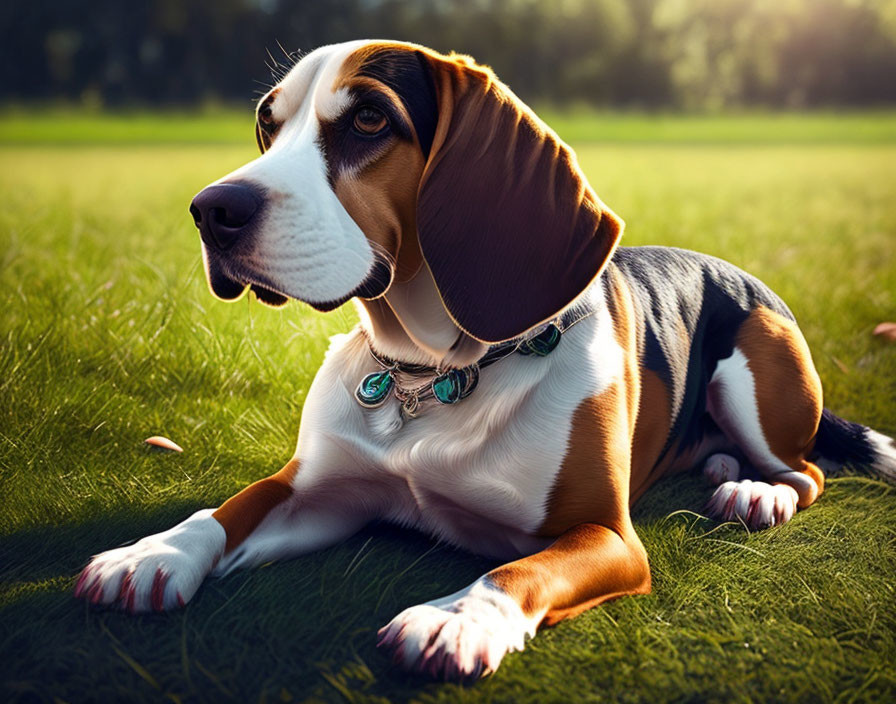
<point x="450" y="386"/>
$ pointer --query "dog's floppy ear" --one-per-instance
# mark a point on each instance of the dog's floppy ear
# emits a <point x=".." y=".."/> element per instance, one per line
<point x="507" y="222"/>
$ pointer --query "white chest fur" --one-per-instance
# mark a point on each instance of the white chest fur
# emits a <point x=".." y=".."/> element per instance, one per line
<point x="478" y="473"/>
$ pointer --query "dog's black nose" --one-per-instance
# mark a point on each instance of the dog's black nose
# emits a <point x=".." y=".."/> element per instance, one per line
<point x="223" y="212"/>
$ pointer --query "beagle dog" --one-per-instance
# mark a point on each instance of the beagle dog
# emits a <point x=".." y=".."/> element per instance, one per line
<point x="516" y="381"/>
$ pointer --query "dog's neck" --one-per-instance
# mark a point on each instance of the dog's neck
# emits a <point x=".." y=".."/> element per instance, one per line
<point x="410" y="324"/>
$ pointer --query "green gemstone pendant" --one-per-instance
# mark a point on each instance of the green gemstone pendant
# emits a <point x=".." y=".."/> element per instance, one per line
<point x="374" y="388"/>
<point x="448" y="388"/>
<point x="543" y="343"/>
<point x="451" y="386"/>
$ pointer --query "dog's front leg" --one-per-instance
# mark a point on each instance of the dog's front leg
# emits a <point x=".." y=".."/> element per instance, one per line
<point x="466" y="634"/>
<point x="271" y="519"/>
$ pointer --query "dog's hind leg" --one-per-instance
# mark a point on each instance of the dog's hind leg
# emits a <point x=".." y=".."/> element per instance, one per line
<point x="766" y="398"/>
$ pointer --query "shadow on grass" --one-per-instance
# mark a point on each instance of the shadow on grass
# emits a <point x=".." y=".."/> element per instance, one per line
<point x="286" y="631"/>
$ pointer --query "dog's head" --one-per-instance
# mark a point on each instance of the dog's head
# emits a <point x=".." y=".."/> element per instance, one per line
<point x="380" y="158"/>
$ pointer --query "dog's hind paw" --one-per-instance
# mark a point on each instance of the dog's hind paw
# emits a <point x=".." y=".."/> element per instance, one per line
<point x="159" y="572"/>
<point x="757" y="504"/>
<point x="460" y="637"/>
<point x="720" y="468"/>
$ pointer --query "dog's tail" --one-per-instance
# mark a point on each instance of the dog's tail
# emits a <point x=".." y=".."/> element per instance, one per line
<point x="840" y="442"/>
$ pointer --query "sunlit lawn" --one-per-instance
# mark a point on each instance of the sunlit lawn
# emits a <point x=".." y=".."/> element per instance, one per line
<point x="109" y="335"/>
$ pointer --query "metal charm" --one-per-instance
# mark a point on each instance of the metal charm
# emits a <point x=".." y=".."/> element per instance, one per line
<point x="447" y="387"/>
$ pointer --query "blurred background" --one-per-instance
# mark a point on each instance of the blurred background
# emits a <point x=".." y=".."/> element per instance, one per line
<point x="649" y="54"/>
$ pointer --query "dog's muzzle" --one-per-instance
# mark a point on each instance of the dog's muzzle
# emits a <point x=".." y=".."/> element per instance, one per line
<point x="226" y="214"/>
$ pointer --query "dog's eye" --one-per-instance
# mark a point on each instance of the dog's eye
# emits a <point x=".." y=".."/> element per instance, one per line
<point x="369" y="120"/>
<point x="265" y="116"/>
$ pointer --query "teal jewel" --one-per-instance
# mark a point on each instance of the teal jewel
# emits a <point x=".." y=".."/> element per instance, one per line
<point x="449" y="387"/>
<point x="543" y="343"/>
<point x="374" y="388"/>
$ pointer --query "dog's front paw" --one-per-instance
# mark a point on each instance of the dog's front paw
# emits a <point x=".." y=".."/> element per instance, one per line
<point x="459" y="637"/>
<point x="159" y="572"/>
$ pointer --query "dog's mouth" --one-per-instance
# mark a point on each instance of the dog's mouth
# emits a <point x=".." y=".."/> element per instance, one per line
<point x="231" y="285"/>
<point x="228" y="287"/>
<point x="267" y="296"/>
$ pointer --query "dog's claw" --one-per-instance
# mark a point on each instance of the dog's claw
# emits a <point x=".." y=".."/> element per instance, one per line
<point x="158" y="572"/>
<point x="95" y="591"/>
<point x="82" y="579"/>
<point x="132" y="595"/>
<point x="125" y="588"/>
<point x="157" y="594"/>
<point x="460" y="638"/>
<point x="758" y="504"/>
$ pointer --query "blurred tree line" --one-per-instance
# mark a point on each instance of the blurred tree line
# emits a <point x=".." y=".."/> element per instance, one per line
<point x="693" y="54"/>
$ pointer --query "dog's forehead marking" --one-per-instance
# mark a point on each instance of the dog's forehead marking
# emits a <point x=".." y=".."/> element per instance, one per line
<point x="312" y="84"/>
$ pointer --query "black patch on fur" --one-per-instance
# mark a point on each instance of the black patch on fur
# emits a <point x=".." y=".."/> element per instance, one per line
<point x="271" y="298"/>
<point x="692" y="306"/>
<point x="378" y="279"/>
<point x="842" y="441"/>
<point x="407" y="73"/>
<point x="345" y="148"/>
<point x="223" y="286"/>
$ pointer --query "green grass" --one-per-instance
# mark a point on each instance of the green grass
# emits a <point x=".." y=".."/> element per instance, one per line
<point x="66" y="126"/>
<point x="108" y="335"/>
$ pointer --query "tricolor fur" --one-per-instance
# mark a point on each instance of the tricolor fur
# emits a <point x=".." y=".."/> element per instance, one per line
<point x="418" y="185"/>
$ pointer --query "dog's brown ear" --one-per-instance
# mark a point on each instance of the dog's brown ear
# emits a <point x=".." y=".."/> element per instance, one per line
<point x="508" y="224"/>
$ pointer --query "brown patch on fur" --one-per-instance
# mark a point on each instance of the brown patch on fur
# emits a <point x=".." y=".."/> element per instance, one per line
<point x="598" y="555"/>
<point x="651" y="433"/>
<point x="355" y="61"/>
<point x="621" y="306"/>
<point x="788" y="392"/>
<point x="617" y="437"/>
<point x="382" y="200"/>
<point x="241" y="514"/>
<point x="647" y="398"/>
<point x="592" y="485"/>
<point x="382" y="197"/>
<point x="586" y="566"/>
